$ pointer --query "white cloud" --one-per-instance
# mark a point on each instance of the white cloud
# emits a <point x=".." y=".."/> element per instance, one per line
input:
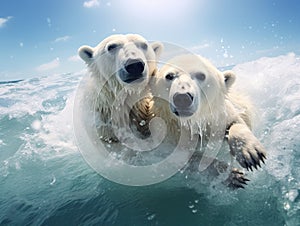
<point x="48" y="66"/>
<point x="62" y="39"/>
<point x="91" y="3"/>
<point x="3" y="21"/>
<point x="74" y="58"/>
<point x="199" y="47"/>
<point x="49" y="22"/>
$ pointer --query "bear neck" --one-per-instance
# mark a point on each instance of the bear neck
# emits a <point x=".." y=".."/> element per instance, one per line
<point x="210" y="114"/>
<point x="112" y="91"/>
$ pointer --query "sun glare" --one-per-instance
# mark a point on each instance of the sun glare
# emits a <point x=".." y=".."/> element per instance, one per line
<point x="156" y="10"/>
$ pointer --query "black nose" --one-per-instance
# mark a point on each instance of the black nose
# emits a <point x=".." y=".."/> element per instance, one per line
<point x="183" y="100"/>
<point x="134" y="66"/>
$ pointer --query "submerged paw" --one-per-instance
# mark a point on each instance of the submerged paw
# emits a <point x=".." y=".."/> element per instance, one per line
<point x="236" y="179"/>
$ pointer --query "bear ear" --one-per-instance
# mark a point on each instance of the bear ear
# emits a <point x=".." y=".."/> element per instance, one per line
<point x="157" y="48"/>
<point x="86" y="53"/>
<point x="229" y="78"/>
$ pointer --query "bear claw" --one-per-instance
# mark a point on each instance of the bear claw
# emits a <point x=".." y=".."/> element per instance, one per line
<point x="250" y="160"/>
<point x="236" y="179"/>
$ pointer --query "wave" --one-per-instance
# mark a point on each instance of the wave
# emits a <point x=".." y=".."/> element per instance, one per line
<point x="10" y="82"/>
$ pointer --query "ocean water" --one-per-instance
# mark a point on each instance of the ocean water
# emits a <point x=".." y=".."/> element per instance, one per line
<point x="44" y="180"/>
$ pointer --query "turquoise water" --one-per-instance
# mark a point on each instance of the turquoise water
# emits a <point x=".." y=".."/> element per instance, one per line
<point x="45" y="181"/>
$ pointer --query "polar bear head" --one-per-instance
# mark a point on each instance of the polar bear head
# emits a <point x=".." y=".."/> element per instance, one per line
<point x="193" y="87"/>
<point x="128" y="59"/>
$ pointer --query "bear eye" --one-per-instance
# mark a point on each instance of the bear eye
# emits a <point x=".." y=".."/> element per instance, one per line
<point x="200" y="76"/>
<point x="170" y="76"/>
<point x="144" y="46"/>
<point x="112" y="47"/>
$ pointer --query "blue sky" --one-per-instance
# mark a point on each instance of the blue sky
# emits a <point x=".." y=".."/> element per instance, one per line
<point x="42" y="37"/>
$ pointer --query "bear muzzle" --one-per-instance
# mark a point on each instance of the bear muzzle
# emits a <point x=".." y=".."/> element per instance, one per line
<point x="134" y="66"/>
<point x="133" y="70"/>
<point x="183" y="100"/>
<point x="183" y="104"/>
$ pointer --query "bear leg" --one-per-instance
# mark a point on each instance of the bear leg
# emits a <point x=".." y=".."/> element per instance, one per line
<point x="247" y="149"/>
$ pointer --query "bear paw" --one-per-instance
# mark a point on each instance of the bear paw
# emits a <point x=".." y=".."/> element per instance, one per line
<point x="245" y="146"/>
<point x="236" y="179"/>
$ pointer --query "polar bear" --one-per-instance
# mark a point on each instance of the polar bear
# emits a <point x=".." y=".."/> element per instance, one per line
<point x="119" y="69"/>
<point x="201" y="98"/>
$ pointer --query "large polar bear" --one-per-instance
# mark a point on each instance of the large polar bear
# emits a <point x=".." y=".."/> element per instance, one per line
<point x="119" y="69"/>
<point x="201" y="98"/>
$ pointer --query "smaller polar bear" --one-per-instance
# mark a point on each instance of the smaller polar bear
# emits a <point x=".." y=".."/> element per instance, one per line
<point x="119" y="69"/>
<point x="201" y="98"/>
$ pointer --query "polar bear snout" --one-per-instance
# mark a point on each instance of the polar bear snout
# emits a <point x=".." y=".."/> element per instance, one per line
<point x="133" y="69"/>
<point x="183" y="104"/>
<point x="183" y="100"/>
<point x="134" y="66"/>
